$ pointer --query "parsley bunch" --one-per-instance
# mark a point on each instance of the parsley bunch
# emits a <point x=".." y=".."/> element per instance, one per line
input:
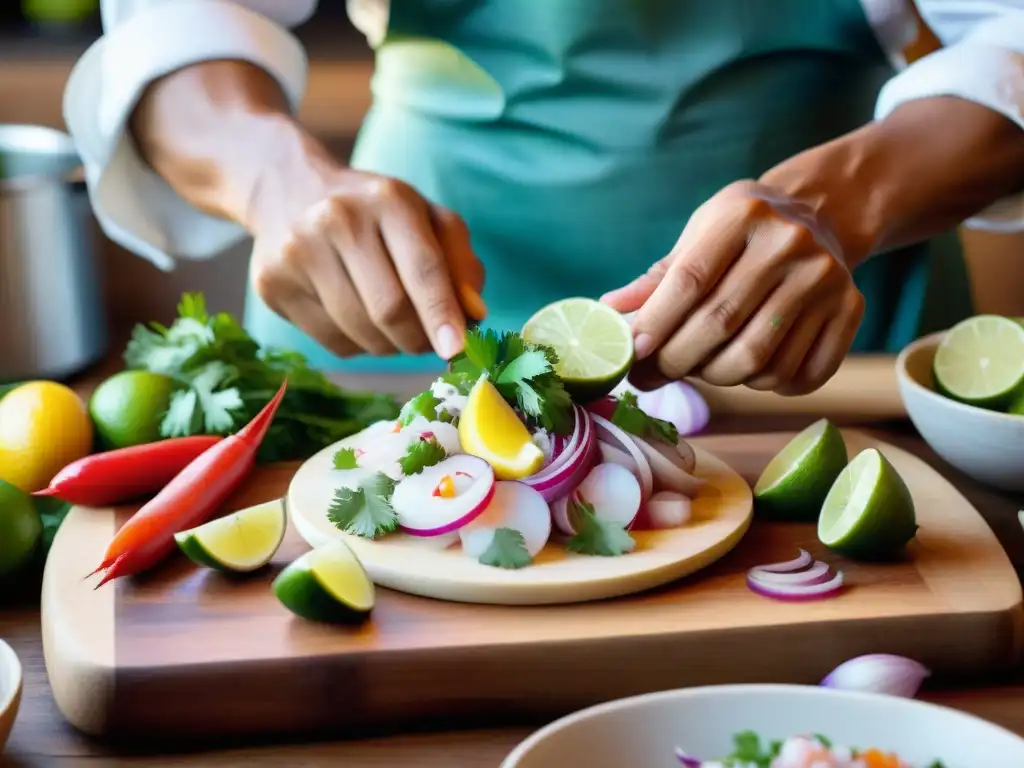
<point x="224" y="378"/>
<point x="522" y="372"/>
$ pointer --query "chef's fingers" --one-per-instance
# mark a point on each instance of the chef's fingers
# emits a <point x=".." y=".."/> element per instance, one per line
<point x="830" y="348"/>
<point x="815" y="279"/>
<point x="466" y="269"/>
<point x="716" y="320"/>
<point x="713" y="239"/>
<point x="630" y="297"/>
<point x="789" y="355"/>
<point x="421" y="264"/>
<point x="332" y="284"/>
<point x="356" y="238"/>
<point x="287" y="294"/>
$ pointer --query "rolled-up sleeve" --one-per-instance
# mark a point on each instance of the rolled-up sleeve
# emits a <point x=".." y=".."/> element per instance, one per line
<point x="144" y="40"/>
<point x="982" y="61"/>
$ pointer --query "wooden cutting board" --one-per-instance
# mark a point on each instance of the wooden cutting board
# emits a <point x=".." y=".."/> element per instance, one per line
<point x="190" y="651"/>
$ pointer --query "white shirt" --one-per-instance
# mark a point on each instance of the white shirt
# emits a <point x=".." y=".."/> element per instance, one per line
<point x="982" y="60"/>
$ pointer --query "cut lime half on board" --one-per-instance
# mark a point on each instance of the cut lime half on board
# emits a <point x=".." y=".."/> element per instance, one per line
<point x="869" y="513"/>
<point x="327" y="584"/>
<point x="240" y="542"/>
<point x="594" y="344"/>
<point x="796" y="481"/>
<point x="980" y="362"/>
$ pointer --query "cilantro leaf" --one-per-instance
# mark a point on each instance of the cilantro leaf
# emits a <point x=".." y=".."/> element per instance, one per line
<point x="747" y="751"/>
<point x="523" y="373"/>
<point x="629" y="417"/>
<point x="507" y="550"/>
<point x="223" y="377"/>
<point x="595" y="536"/>
<point x="421" y="454"/>
<point x="365" y="511"/>
<point x="424" y="404"/>
<point x="345" y="458"/>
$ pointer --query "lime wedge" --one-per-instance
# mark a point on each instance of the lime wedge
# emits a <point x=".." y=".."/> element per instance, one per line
<point x="240" y="542"/>
<point x="796" y="481"/>
<point x="869" y="513"/>
<point x="326" y="584"/>
<point x="981" y="362"/>
<point x="594" y="344"/>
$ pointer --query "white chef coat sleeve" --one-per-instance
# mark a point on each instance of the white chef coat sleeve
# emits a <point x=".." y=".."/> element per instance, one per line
<point x="982" y="61"/>
<point x="142" y="41"/>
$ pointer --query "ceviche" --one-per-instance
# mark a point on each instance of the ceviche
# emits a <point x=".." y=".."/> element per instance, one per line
<point x="814" y="751"/>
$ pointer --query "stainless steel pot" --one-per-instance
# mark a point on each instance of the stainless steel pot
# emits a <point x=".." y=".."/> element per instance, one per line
<point x="52" y="319"/>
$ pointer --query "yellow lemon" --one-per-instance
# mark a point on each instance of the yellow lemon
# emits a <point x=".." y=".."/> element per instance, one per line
<point x="490" y="429"/>
<point x="44" y="426"/>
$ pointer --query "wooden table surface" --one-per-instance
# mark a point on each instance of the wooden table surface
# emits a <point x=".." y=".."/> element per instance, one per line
<point x="41" y="736"/>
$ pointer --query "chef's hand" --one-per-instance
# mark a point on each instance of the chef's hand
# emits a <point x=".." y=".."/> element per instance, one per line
<point x="755" y="292"/>
<point x="361" y="262"/>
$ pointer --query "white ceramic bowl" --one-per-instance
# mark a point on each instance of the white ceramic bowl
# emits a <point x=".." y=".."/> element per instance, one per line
<point x="10" y="691"/>
<point x="986" y="445"/>
<point x="644" y="730"/>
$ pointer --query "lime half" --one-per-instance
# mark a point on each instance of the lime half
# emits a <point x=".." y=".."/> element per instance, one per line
<point x="981" y="362"/>
<point x="242" y="541"/>
<point x="594" y="344"/>
<point x="795" y="483"/>
<point x="869" y="513"/>
<point x="326" y="584"/>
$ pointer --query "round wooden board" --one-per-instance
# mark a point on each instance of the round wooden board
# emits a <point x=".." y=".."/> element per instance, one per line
<point x="721" y="515"/>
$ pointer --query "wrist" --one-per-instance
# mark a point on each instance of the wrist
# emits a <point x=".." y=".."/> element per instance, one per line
<point x="847" y="182"/>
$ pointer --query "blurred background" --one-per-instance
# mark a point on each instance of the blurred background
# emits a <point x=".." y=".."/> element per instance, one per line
<point x="41" y="39"/>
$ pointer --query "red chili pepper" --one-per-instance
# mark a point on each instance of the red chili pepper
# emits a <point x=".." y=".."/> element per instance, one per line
<point x="190" y="499"/>
<point x="117" y="476"/>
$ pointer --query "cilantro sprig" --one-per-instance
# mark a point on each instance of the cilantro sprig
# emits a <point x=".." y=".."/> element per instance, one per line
<point x="365" y="510"/>
<point x="507" y="550"/>
<point x="524" y="374"/>
<point x="345" y="458"/>
<point x="422" y="453"/>
<point x="223" y="377"/>
<point x="629" y="417"/>
<point x="594" y="535"/>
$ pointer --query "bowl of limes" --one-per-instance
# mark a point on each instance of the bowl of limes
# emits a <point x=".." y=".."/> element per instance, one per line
<point x="963" y="389"/>
<point x="10" y="691"/>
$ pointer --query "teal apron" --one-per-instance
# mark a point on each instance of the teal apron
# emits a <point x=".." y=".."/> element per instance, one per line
<point x="576" y="137"/>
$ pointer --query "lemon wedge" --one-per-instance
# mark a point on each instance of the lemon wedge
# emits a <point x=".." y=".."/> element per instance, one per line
<point x="491" y="430"/>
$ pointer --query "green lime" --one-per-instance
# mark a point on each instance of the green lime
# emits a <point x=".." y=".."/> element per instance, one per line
<point x="20" y="528"/>
<point x="869" y="513"/>
<point x="796" y="481"/>
<point x="326" y="584"/>
<point x="240" y="542"/>
<point x="128" y="407"/>
<point x="981" y="362"/>
<point x="594" y="344"/>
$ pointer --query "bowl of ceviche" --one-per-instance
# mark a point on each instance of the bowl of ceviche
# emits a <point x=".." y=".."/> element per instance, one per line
<point x="769" y="726"/>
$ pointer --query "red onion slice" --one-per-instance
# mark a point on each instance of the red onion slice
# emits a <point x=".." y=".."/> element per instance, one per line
<point x="816" y="574"/>
<point x="797" y="592"/>
<point x="804" y="560"/>
<point x="565" y="473"/>
<point x="611" y="433"/>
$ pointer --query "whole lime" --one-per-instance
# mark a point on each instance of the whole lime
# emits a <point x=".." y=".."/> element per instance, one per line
<point x="128" y="407"/>
<point x="20" y="528"/>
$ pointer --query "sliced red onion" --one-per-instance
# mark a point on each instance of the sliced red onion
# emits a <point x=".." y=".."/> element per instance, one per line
<point x="677" y="403"/>
<point x="665" y="509"/>
<point x="611" y="433"/>
<point x="816" y="574"/>
<point x="879" y="673"/>
<point x="563" y="474"/>
<point x="668" y="475"/>
<point x="796" y="592"/>
<point x="803" y="560"/>
<point x="688" y="760"/>
<point x="604" y="407"/>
